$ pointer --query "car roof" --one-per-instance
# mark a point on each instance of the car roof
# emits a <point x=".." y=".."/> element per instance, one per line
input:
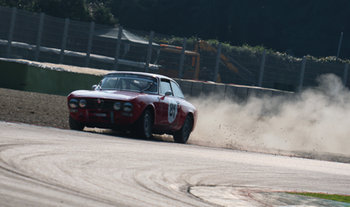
<point x="140" y="73"/>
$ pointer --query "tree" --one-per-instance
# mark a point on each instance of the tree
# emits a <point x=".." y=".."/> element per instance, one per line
<point x="298" y="26"/>
<point x="100" y="12"/>
<point x="76" y="9"/>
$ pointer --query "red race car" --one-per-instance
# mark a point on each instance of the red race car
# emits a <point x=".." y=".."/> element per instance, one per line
<point x="143" y="102"/>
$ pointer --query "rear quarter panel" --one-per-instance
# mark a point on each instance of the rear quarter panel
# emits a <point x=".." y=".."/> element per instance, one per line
<point x="186" y="109"/>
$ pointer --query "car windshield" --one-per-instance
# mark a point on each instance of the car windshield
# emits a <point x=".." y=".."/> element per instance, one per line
<point x="129" y="82"/>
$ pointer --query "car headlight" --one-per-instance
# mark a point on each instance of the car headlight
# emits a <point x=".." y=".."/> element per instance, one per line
<point x="82" y="103"/>
<point x="127" y="107"/>
<point x="73" y="103"/>
<point x="117" y="106"/>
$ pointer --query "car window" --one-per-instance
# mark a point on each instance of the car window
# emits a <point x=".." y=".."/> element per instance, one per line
<point x="176" y="90"/>
<point x="130" y="83"/>
<point x="109" y="83"/>
<point x="164" y="87"/>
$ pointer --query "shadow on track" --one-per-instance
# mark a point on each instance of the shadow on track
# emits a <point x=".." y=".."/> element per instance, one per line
<point x="129" y="135"/>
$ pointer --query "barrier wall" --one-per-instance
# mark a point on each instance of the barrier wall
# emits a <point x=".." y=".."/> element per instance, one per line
<point x="230" y="91"/>
<point x="13" y="75"/>
<point x="27" y="77"/>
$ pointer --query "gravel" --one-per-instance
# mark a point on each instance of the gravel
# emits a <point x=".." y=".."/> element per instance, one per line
<point x="33" y="108"/>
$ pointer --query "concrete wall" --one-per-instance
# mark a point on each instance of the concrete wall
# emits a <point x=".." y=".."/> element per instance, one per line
<point x="27" y="77"/>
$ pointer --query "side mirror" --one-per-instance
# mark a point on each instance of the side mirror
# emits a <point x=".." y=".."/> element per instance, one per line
<point x="168" y="93"/>
<point x="94" y="87"/>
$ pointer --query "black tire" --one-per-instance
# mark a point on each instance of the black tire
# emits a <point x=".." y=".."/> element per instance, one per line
<point x="75" y="125"/>
<point x="183" y="134"/>
<point x="145" y="124"/>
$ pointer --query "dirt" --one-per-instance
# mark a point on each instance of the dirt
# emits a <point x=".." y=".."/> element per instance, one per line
<point x="51" y="110"/>
<point x="38" y="108"/>
<point x="33" y="108"/>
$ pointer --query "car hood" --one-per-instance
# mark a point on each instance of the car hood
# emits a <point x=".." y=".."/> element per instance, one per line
<point x="105" y="94"/>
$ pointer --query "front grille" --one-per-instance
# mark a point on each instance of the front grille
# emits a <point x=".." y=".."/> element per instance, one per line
<point x="103" y="104"/>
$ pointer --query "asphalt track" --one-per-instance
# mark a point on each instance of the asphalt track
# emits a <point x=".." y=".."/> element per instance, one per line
<point x="41" y="166"/>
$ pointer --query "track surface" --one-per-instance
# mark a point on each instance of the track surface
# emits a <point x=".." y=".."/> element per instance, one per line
<point x="42" y="166"/>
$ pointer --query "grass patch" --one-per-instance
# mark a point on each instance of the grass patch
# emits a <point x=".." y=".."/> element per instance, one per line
<point x="333" y="197"/>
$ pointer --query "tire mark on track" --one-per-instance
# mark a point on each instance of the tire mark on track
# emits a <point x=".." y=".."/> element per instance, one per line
<point x="12" y="170"/>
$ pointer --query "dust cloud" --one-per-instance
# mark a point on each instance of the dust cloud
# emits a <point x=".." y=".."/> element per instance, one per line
<point x="314" y="121"/>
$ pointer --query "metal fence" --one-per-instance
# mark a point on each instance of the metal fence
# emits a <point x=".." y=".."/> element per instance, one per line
<point x="45" y="38"/>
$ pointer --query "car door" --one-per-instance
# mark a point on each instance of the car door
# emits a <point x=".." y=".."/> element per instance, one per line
<point x="168" y="106"/>
<point x="179" y="101"/>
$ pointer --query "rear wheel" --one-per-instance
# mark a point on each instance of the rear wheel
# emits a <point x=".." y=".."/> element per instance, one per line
<point x="75" y="125"/>
<point x="183" y="134"/>
<point x="145" y="124"/>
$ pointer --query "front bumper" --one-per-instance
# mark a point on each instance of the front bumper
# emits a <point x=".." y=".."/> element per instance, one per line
<point x="102" y="118"/>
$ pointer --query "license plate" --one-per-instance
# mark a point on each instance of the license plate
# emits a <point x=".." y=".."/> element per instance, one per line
<point x="100" y="114"/>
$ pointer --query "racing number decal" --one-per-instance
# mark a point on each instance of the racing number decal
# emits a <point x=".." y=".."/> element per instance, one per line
<point x="172" y="111"/>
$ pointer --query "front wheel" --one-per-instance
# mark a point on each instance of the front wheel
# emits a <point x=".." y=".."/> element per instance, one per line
<point x="183" y="134"/>
<point x="75" y="125"/>
<point x="145" y="124"/>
